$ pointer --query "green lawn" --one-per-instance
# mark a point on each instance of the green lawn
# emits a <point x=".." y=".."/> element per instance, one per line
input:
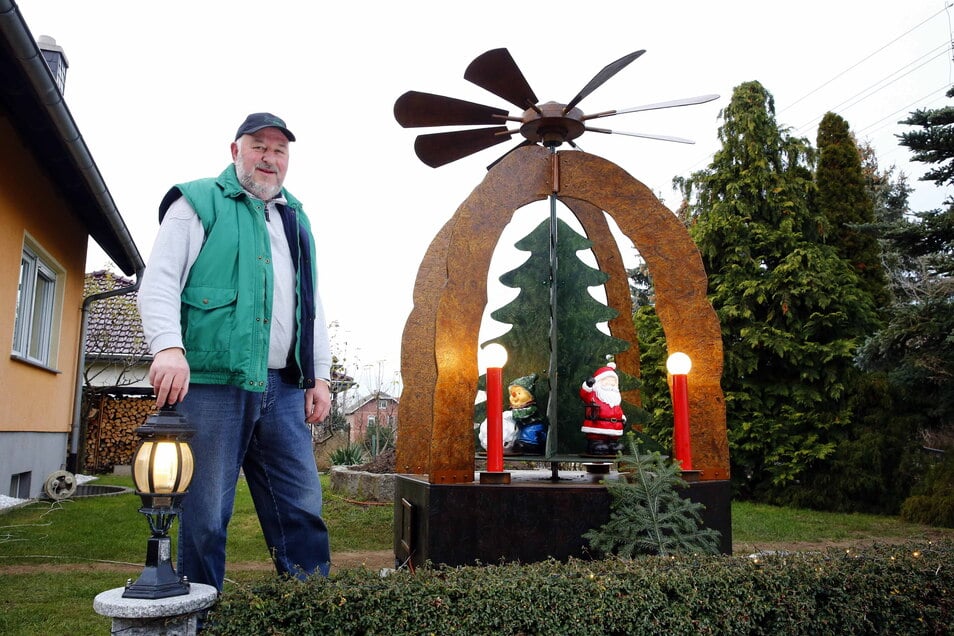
<point x="756" y="524"/>
<point x="56" y="557"/>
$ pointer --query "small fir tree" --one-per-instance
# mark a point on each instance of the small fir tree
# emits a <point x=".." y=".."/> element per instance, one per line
<point x="648" y="515"/>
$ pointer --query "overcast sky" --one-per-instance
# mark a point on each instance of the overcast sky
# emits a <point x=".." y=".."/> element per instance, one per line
<point x="159" y="88"/>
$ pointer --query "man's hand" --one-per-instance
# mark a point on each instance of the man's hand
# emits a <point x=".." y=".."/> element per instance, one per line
<point x="317" y="402"/>
<point x="169" y="376"/>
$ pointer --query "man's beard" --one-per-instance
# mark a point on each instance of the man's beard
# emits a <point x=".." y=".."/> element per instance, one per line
<point x="609" y="395"/>
<point x="260" y="190"/>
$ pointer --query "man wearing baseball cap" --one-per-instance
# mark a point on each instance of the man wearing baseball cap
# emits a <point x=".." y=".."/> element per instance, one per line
<point x="232" y="316"/>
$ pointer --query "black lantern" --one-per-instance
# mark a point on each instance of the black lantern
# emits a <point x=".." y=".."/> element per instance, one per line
<point x="162" y="470"/>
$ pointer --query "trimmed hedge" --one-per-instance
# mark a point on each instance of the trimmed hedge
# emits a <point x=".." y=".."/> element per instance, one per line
<point x="884" y="589"/>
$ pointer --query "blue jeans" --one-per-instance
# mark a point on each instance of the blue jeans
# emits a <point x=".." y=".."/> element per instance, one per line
<point x="265" y="435"/>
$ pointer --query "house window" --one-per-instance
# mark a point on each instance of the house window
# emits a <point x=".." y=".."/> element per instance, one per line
<point x="20" y="485"/>
<point x="371" y="420"/>
<point x="382" y="405"/>
<point x="36" y="316"/>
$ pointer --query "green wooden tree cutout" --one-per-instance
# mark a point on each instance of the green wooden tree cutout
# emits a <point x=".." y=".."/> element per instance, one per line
<point x="582" y="347"/>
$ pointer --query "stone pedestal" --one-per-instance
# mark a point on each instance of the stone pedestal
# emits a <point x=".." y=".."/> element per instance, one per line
<point x="173" y="616"/>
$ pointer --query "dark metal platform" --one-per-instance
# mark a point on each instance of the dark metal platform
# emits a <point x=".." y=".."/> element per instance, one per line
<point x="531" y="519"/>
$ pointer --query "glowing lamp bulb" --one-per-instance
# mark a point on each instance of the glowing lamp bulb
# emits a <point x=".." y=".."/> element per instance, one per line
<point x="678" y="364"/>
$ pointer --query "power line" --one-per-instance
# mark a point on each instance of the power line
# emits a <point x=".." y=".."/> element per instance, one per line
<point x="866" y="58"/>
<point x="918" y="102"/>
<point x="881" y="84"/>
<point x="936" y="51"/>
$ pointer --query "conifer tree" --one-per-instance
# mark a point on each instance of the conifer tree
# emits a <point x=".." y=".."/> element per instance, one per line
<point x="582" y="347"/>
<point x="846" y="206"/>
<point x="879" y="457"/>
<point x="933" y="141"/>
<point x="648" y="515"/>
<point x="790" y="308"/>
<point x="916" y="347"/>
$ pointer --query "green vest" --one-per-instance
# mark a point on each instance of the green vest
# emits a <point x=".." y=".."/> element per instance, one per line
<point x="227" y="299"/>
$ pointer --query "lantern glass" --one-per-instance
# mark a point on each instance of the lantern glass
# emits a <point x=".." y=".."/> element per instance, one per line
<point x="163" y="466"/>
<point x="188" y="467"/>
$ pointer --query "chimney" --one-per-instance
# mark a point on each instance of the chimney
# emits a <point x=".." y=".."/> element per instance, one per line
<point x="55" y="60"/>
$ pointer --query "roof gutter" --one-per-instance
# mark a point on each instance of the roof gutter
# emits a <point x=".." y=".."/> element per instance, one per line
<point x="28" y="53"/>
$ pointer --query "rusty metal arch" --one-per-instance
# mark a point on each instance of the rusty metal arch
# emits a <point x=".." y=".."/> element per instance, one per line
<point x="439" y="344"/>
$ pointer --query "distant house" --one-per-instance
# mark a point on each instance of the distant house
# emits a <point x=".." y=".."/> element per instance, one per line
<point x="378" y="408"/>
<point x="117" y="357"/>
<point x="52" y="201"/>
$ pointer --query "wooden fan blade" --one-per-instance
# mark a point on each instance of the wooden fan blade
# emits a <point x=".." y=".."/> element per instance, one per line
<point x="685" y="101"/>
<point x="600" y="78"/>
<point x="497" y="72"/>
<point x="415" y="110"/>
<point x="607" y="131"/>
<point x="438" y="149"/>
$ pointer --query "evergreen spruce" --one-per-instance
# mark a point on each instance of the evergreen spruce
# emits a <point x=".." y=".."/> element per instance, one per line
<point x="915" y="348"/>
<point x="648" y="515"/>
<point x="932" y="142"/>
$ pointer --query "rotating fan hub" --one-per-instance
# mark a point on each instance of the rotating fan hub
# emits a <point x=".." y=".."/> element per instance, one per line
<point x="549" y="125"/>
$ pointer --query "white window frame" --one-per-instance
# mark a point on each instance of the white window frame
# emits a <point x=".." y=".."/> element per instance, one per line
<point x="372" y="420"/>
<point x="39" y="307"/>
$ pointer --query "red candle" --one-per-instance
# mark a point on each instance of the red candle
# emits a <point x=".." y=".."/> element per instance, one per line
<point x="678" y="366"/>
<point x="680" y="411"/>
<point x="494" y="419"/>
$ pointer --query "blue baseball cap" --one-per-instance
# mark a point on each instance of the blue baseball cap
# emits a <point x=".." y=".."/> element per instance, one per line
<point x="257" y="121"/>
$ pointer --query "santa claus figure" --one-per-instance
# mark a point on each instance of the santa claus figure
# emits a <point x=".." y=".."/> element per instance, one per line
<point x="603" y="418"/>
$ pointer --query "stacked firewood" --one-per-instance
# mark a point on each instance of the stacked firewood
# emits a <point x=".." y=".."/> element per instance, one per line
<point x="111" y="425"/>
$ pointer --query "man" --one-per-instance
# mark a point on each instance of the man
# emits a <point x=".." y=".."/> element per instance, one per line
<point x="232" y="316"/>
<point x="603" y="418"/>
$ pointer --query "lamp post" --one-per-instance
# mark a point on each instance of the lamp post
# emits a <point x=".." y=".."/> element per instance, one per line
<point x="678" y="366"/>
<point x="493" y="357"/>
<point x="162" y="470"/>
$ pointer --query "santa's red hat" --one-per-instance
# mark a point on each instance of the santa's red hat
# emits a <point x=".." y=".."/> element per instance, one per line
<point x="602" y="372"/>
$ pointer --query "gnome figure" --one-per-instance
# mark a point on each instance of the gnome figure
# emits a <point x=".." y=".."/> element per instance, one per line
<point x="524" y="427"/>
<point x="603" y="418"/>
<point x="531" y="425"/>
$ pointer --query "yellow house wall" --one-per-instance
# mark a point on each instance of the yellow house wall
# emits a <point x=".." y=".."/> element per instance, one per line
<point x="37" y="399"/>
